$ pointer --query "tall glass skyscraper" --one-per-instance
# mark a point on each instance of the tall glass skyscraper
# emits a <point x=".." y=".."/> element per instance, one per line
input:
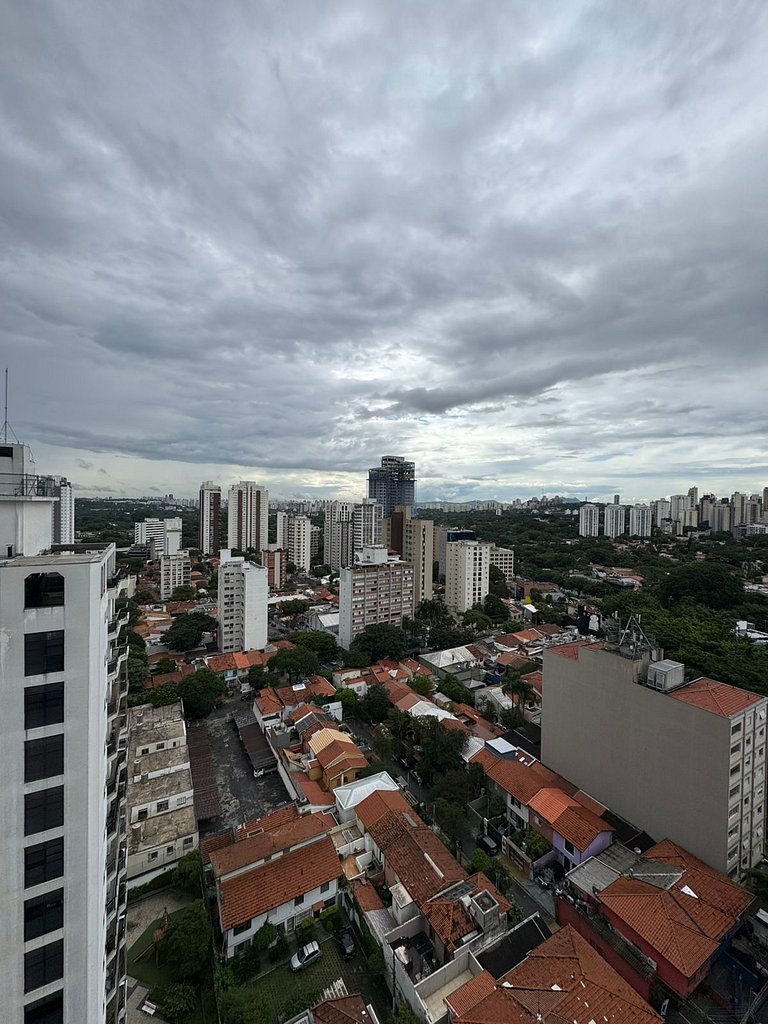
<point x="393" y="483"/>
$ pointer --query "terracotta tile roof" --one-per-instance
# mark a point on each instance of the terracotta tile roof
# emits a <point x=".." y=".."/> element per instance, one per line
<point x="449" y="920"/>
<point x="408" y="701"/>
<point x="482" y="882"/>
<point x="415" y="854"/>
<point x="378" y="804"/>
<point x="169" y="678"/>
<point x="512" y="660"/>
<point x="572" y="649"/>
<point x="562" y="980"/>
<point x="212" y="843"/>
<point x="366" y="895"/>
<point x="257" y="847"/>
<point x="343" y="1010"/>
<point x="340" y="757"/>
<point x="317" y="686"/>
<point x="409" y="665"/>
<point x="590" y="803"/>
<point x="549" y="804"/>
<point x="221" y="663"/>
<point x="535" y="679"/>
<point x="469" y="995"/>
<point x="717" y="698"/>
<point x="527" y="636"/>
<point x="269" y="886"/>
<point x="313" y="791"/>
<point x="708" y="884"/>
<point x="269" y="703"/>
<point x="275" y="819"/>
<point x="580" y="826"/>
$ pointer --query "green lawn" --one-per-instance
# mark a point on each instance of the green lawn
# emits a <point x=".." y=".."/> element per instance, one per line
<point x="152" y="975"/>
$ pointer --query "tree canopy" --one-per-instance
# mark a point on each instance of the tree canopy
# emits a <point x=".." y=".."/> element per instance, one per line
<point x="295" y="662"/>
<point x="382" y="641"/>
<point x="187" y="631"/>
<point x="706" y="583"/>
<point x="321" y="643"/>
<point x="187" y="941"/>
<point x="200" y="691"/>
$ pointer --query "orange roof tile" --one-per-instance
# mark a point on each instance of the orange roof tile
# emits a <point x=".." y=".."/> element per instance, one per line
<point x="255" y="848"/>
<point x="342" y="1010"/>
<point x="470" y="994"/>
<point x="256" y="892"/>
<point x="717" y="698"/>
<point x="313" y="791"/>
<point x="269" y="703"/>
<point x="580" y="826"/>
<point x="415" y="854"/>
<point x="708" y="884"/>
<point x="571" y="650"/>
<point x="275" y="819"/>
<point x="366" y="895"/>
<point x="378" y="804"/>
<point x="550" y="803"/>
<point x="212" y="843"/>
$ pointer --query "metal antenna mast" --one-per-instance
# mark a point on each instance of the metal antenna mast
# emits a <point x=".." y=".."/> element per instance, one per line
<point x="6" y="425"/>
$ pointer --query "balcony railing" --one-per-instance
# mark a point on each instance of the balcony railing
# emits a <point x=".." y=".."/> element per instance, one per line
<point x="27" y="485"/>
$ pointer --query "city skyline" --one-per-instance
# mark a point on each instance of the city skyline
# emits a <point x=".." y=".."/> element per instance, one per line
<point x="524" y="251"/>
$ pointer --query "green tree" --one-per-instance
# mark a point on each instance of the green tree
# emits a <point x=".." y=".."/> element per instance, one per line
<point x="708" y="583"/>
<point x="497" y="583"/>
<point x="355" y="658"/>
<point x="522" y="692"/>
<point x="375" y="705"/>
<point x="163" y="696"/>
<point x="321" y="643"/>
<point x="422" y="685"/>
<point x="188" y="874"/>
<point x="185" y="592"/>
<point x="480" y="862"/>
<point x="137" y="672"/>
<point x="257" y="677"/>
<point x="294" y="607"/>
<point x="187" y="631"/>
<point x="382" y="641"/>
<point x="383" y="743"/>
<point x="176" y="1001"/>
<point x="451" y="818"/>
<point x="295" y="662"/>
<point x="186" y="944"/>
<point x="243" y="1006"/>
<point x="495" y="609"/>
<point x="164" y="666"/>
<point x="475" y="618"/>
<point x="441" y="748"/>
<point x="200" y="693"/>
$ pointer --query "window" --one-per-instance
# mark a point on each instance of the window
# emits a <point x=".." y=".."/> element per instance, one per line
<point x="734" y="791"/>
<point x="569" y="847"/>
<point x="43" y="914"/>
<point x="44" y="965"/>
<point x="43" y="758"/>
<point x="46" y="1011"/>
<point x="240" y="928"/>
<point x="160" y="746"/>
<point x="143" y="814"/>
<point x="43" y="705"/>
<point x="152" y="855"/>
<point x="736" y="769"/>
<point x="180" y="801"/>
<point x="736" y="748"/>
<point x="188" y="840"/>
<point x="325" y="887"/>
<point x="736" y="728"/>
<point x="43" y="590"/>
<point x="170" y="850"/>
<point x="43" y="652"/>
<point x="43" y="810"/>
<point x="162" y="805"/>
<point x="298" y="901"/>
<point x="43" y="862"/>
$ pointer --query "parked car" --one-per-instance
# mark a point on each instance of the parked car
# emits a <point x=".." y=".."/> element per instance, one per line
<point x="487" y="845"/>
<point x="305" y="956"/>
<point x="346" y="944"/>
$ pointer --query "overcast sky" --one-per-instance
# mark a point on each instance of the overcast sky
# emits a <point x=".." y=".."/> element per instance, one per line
<point x="523" y="244"/>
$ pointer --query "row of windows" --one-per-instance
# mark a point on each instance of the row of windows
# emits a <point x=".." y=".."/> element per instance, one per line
<point x="49" y="1010"/>
<point x="43" y="965"/>
<point x="43" y="758"/>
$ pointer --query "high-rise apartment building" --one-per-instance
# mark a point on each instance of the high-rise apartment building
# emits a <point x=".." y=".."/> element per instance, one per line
<point x="661" y="510"/>
<point x="589" y="520"/>
<point x="275" y="560"/>
<point x="209" y="518"/>
<point x="175" y="571"/>
<point x="413" y="540"/>
<point x="248" y="516"/>
<point x="445" y="535"/>
<point x="366" y="524"/>
<point x="338" y="535"/>
<point x="161" y="536"/>
<point x="640" y="521"/>
<point x="467" y="565"/>
<point x="504" y="560"/>
<point x="393" y="483"/>
<point x="243" y="596"/>
<point x="614" y="520"/>
<point x="681" y="760"/>
<point x="376" y="589"/>
<point x="63" y="750"/>
<point x="294" y="535"/>
<point x="63" y="513"/>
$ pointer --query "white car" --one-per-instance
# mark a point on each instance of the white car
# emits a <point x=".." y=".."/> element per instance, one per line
<point x="305" y="956"/>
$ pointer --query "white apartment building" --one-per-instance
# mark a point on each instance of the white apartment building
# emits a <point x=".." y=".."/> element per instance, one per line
<point x="209" y="518"/>
<point x="294" y="535"/>
<point x="248" y="516"/>
<point x="640" y="521"/>
<point x="466" y="574"/>
<point x="418" y="549"/>
<point x="504" y="560"/>
<point x="681" y="760"/>
<point x="589" y="520"/>
<point x="165" y="534"/>
<point x="614" y="521"/>
<point x="62" y="749"/>
<point x="243" y="597"/>
<point x="366" y="524"/>
<point x="162" y="827"/>
<point x="63" y="513"/>
<point x="661" y="510"/>
<point x="378" y="588"/>
<point x="338" y="548"/>
<point x="175" y="571"/>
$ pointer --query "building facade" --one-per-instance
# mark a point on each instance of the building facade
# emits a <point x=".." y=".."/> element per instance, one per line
<point x="63" y="517"/>
<point x="640" y="521"/>
<point x="614" y="520"/>
<point x="621" y="722"/>
<point x="589" y="520"/>
<point x="248" y="516"/>
<point x="376" y="589"/>
<point x="275" y="561"/>
<point x="393" y="483"/>
<point x="161" y="536"/>
<point x="504" y="560"/>
<point x="209" y="521"/>
<point x="467" y="565"/>
<point x="294" y="536"/>
<point x="338" y="535"/>
<point x="175" y="571"/>
<point x="243" y="596"/>
<point x="63" y="684"/>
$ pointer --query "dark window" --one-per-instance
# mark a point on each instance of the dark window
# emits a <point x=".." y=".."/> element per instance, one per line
<point x="44" y="652"/>
<point x="43" y="705"/>
<point x="43" y="758"/>
<point x="43" y="590"/>
<point x="43" y="862"/>
<point x="46" y="1011"/>
<point x="43" y="914"/>
<point x="43" y="810"/>
<point x="44" y="965"/>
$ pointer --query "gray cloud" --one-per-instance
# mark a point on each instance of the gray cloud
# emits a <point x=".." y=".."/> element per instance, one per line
<point x="290" y="238"/>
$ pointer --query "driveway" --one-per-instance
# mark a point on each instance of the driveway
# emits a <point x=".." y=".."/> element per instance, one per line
<point x="243" y="798"/>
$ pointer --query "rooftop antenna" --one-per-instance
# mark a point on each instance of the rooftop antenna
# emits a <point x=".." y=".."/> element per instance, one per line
<point x="6" y="425"/>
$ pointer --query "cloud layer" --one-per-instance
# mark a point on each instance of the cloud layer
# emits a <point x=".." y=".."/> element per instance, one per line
<point x="525" y="247"/>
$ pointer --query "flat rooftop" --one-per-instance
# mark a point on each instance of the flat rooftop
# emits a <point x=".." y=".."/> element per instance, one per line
<point x="161" y="787"/>
<point x="162" y="829"/>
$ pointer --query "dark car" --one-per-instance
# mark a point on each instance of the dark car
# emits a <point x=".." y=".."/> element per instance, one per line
<point x="487" y="845"/>
<point x="346" y="944"/>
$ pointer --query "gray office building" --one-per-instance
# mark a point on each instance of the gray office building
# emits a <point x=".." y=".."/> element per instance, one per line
<point x="392" y="483"/>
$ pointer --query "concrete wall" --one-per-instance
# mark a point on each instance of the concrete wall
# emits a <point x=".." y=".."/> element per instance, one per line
<point x="641" y="753"/>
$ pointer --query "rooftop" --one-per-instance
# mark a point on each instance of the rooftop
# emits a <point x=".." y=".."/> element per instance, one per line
<point x="263" y="845"/>
<point x="162" y="829"/>
<point x="715" y="697"/>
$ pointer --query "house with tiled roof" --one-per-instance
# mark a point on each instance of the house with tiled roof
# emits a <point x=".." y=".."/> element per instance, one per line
<point x="562" y="980"/>
<point x="673" y="914"/>
<point x="282" y="868"/>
